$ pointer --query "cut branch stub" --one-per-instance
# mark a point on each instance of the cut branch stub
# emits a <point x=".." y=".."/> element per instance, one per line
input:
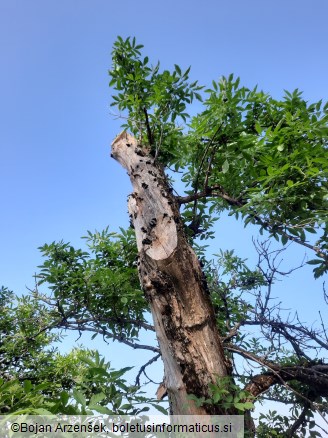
<point x="152" y="215"/>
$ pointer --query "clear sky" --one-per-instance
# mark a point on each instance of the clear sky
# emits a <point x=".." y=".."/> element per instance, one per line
<point x="57" y="179"/>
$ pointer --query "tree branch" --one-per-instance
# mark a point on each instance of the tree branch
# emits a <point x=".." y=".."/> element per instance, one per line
<point x="209" y="192"/>
<point x="219" y="192"/>
<point x="149" y="133"/>
<point x="313" y="375"/>
<point x="298" y="423"/>
<point x="143" y="368"/>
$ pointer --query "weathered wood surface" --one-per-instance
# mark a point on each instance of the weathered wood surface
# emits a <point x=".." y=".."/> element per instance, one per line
<point x="173" y="282"/>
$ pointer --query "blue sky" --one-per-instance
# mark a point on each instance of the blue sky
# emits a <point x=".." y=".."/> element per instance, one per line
<point x="57" y="179"/>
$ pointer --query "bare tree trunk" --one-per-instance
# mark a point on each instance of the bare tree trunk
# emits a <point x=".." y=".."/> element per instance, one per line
<point x="173" y="283"/>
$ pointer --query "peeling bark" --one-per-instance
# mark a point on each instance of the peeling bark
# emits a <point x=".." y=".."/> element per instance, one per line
<point x="173" y="283"/>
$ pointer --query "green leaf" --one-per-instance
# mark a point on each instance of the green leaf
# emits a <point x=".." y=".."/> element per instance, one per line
<point x="248" y="405"/>
<point x="186" y="73"/>
<point x="284" y="239"/>
<point x="64" y="397"/>
<point x="160" y="408"/>
<point x="177" y="69"/>
<point x="96" y="398"/>
<point x="79" y="397"/>
<point x="258" y="128"/>
<point x="240" y="406"/>
<point x="27" y="386"/>
<point x="225" y="166"/>
<point x="101" y="409"/>
<point x="314" y="262"/>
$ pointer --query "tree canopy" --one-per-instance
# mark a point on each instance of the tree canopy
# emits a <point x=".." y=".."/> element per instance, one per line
<point x="257" y="157"/>
<point x="260" y="159"/>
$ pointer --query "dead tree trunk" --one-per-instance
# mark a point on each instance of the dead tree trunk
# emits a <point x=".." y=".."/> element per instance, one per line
<point x="173" y="283"/>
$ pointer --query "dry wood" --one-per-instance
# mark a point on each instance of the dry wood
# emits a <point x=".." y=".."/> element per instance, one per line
<point x="173" y="283"/>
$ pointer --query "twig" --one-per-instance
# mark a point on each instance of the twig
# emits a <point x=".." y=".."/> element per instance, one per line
<point x="142" y="369"/>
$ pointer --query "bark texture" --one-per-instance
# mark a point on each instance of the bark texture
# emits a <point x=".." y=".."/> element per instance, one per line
<point x="314" y="376"/>
<point x="173" y="283"/>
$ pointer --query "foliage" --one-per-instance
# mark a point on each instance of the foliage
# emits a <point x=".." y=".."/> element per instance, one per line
<point x="228" y="394"/>
<point x="155" y="101"/>
<point x="264" y="161"/>
<point x="274" y="425"/>
<point x="36" y="379"/>
<point x="22" y="340"/>
<point x="96" y="389"/>
<point x="102" y="290"/>
<point x="259" y="158"/>
<point x="242" y="298"/>
<point x="269" y="159"/>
